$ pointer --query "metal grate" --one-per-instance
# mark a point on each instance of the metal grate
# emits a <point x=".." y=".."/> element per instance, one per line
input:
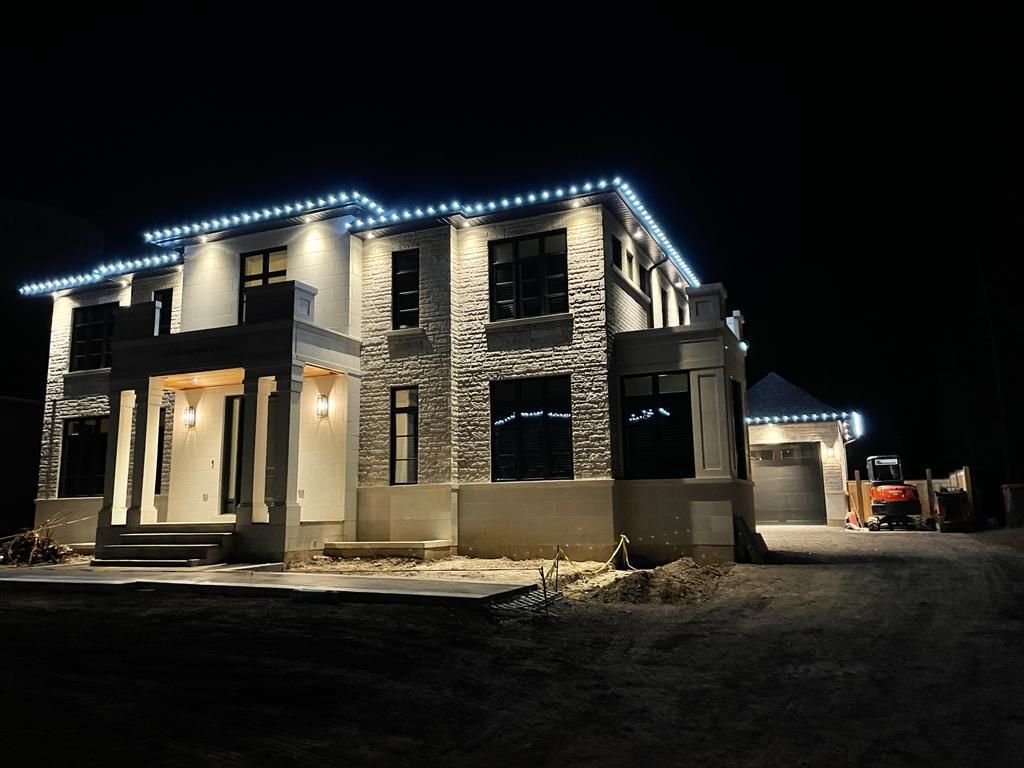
<point x="529" y="604"/>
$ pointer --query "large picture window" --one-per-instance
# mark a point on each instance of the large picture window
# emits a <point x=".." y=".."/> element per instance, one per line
<point x="261" y="268"/>
<point x="657" y="426"/>
<point x="92" y="330"/>
<point x="529" y="276"/>
<point x="531" y="429"/>
<point x="405" y="289"/>
<point x="83" y="456"/>
<point x="405" y="410"/>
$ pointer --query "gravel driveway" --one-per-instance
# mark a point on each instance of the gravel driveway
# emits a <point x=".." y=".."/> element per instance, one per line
<point x="850" y="649"/>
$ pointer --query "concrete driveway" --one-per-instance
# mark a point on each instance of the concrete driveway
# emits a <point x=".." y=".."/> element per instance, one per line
<point x="888" y="649"/>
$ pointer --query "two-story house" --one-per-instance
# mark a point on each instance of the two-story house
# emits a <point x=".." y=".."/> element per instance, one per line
<point x="494" y="378"/>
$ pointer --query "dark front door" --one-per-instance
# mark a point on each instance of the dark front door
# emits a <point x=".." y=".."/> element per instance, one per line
<point x="231" y="465"/>
<point x="788" y="484"/>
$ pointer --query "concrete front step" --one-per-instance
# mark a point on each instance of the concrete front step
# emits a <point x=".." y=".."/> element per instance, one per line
<point x="205" y="553"/>
<point x="176" y="537"/>
<point x="183" y="528"/>
<point x="106" y="563"/>
<point x="433" y="549"/>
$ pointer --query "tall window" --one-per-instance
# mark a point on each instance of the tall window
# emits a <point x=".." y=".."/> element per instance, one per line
<point x="643" y="280"/>
<point x="405" y="410"/>
<point x="617" y="252"/>
<point x="657" y="426"/>
<point x="681" y="308"/>
<point x="630" y="265"/>
<point x="261" y="268"/>
<point x="664" y="307"/>
<point x="528" y="276"/>
<point x="531" y="429"/>
<point x="83" y="456"/>
<point x="92" y="330"/>
<point x="405" y="289"/>
<point x="164" y="296"/>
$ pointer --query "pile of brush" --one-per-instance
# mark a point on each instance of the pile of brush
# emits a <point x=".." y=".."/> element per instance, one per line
<point x="37" y="546"/>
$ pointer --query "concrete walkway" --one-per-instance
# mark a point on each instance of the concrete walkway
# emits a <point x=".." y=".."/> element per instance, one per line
<point x="316" y="587"/>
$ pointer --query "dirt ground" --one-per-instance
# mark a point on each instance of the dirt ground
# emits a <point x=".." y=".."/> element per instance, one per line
<point x="885" y="649"/>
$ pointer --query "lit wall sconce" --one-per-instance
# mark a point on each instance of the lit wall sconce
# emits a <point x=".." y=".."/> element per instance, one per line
<point x="190" y="416"/>
<point x="830" y="452"/>
<point x="322" y="408"/>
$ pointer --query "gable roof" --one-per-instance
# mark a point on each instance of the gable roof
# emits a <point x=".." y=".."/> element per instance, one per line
<point x="774" y="396"/>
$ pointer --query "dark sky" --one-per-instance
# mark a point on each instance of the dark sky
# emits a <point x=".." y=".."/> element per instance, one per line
<point x="852" y="180"/>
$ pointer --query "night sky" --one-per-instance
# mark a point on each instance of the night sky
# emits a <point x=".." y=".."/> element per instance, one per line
<point x="852" y="181"/>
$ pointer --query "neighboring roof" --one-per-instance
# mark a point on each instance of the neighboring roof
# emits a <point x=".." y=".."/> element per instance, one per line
<point x="774" y="396"/>
<point x="371" y="217"/>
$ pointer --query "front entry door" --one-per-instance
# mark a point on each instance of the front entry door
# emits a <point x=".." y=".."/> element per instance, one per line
<point x="231" y="466"/>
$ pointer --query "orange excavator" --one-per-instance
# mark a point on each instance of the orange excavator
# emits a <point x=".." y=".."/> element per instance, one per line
<point x="894" y="503"/>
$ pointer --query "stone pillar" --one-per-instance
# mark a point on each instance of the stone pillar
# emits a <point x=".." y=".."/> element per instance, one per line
<point x="259" y="466"/>
<point x="149" y="397"/>
<point x="283" y="449"/>
<point x="707" y="303"/>
<point x="115" y="481"/>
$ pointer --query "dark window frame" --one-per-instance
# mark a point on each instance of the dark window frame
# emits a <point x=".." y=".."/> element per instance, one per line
<point x="545" y="276"/>
<point x="85" y="320"/>
<point x="396" y="295"/>
<point x="549" y="424"/>
<point x="664" y="308"/>
<point x="164" y="324"/>
<point x="263" y="277"/>
<point x="630" y="265"/>
<point x="412" y="410"/>
<point x="86" y="477"/>
<point x="686" y="452"/>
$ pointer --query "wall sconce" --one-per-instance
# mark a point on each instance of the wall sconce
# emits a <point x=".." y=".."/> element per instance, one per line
<point x="830" y="452"/>
<point x="189" y="417"/>
<point x="322" y="408"/>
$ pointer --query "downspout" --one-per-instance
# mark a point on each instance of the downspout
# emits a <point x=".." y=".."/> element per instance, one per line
<point x="650" y="287"/>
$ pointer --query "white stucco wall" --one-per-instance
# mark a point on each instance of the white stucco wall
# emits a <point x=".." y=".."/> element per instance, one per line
<point x="318" y="254"/>
<point x="196" y="455"/>
<point x="322" y="449"/>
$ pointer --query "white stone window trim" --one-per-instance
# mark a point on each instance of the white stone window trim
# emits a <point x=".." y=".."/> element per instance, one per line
<point x="517" y="323"/>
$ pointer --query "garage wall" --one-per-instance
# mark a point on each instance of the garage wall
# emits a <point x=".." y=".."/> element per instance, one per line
<point x="834" y="469"/>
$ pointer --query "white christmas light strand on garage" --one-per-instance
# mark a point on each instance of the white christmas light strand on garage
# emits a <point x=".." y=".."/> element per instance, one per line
<point x="102" y="272"/>
<point x="269" y="213"/>
<point x="857" y="421"/>
<point x="469" y="210"/>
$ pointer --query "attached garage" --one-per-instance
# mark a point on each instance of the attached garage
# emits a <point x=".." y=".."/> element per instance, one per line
<point x="797" y="454"/>
<point x="788" y="485"/>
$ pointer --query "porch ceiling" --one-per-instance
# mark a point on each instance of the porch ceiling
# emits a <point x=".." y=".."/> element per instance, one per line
<point x="224" y="377"/>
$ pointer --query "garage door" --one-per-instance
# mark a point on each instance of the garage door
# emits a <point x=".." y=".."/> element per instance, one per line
<point x="788" y="485"/>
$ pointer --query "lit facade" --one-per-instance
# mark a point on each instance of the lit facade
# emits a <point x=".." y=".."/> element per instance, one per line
<point x="491" y="378"/>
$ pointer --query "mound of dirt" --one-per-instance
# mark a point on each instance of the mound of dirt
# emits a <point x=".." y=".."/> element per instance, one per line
<point x="682" y="581"/>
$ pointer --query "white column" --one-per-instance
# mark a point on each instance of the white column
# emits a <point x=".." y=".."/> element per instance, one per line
<point x="119" y="437"/>
<point x="352" y="388"/>
<point x="147" y="433"/>
<point x="259" y="471"/>
<point x="283" y="450"/>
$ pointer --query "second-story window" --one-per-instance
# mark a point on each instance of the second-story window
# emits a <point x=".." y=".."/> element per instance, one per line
<point x="630" y="265"/>
<point x="664" y="307"/>
<point x="92" y="330"/>
<point x="165" y="297"/>
<point x="261" y="268"/>
<point x="529" y="276"/>
<point x="405" y="289"/>
<point x="617" y="252"/>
